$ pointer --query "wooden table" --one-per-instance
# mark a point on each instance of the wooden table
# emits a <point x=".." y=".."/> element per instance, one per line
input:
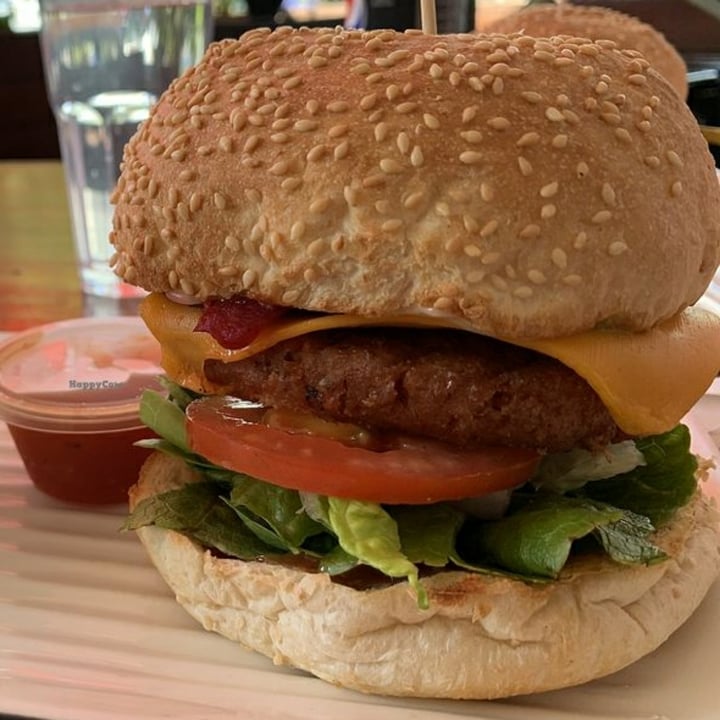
<point x="39" y="281"/>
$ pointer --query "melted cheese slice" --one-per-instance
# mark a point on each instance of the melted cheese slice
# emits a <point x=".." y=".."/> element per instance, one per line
<point x="648" y="380"/>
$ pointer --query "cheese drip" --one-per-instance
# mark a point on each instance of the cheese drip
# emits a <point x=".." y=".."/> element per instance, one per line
<point x="648" y="381"/>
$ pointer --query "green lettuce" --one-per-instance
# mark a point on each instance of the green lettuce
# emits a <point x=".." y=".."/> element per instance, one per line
<point x="244" y="517"/>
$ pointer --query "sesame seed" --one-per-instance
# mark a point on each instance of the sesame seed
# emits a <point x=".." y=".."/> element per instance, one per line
<point x="531" y="97"/>
<point x="279" y="168"/>
<point x="525" y="166"/>
<point x="608" y="194"/>
<point x="416" y="157"/>
<point x="470" y="223"/>
<point x="338" y="130"/>
<point x="196" y="201"/>
<point x="383" y="207"/>
<point x="292" y="82"/>
<point x="368" y="101"/>
<point x="560" y="141"/>
<point x="580" y="240"/>
<point x="530" y="231"/>
<point x="582" y="169"/>
<point x="372" y="181"/>
<point x="305" y="125"/>
<point x="406" y="107"/>
<point x="472" y="251"/>
<point x="232" y="243"/>
<point x="341" y="150"/>
<point x="536" y="277"/>
<point x="523" y="292"/>
<point x="674" y="159"/>
<point x="559" y="258"/>
<point x="391" y="225"/>
<point x="220" y="201"/>
<point x="389" y="165"/>
<point x="315" y="153"/>
<point x="554" y="115"/>
<point x="469" y="114"/>
<point x="362" y="68"/>
<point x="351" y="195"/>
<point x="489" y="228"/>
<point x="529" y="138"/>
<point x="251" y="143"/>
<point x="601" y="88"/>
<point x="470" y="157"/>
<point x="623" y="135"/>
<point x="499" y="123"/>
<point x="413" y="200"/>
<point x="374" y="78"/>
<point x="403" y="142"/>
<point x="475" y="83"/>
<point x="392" y="92"/>
<point x="486" y="192"/>
<point x="381" y="131"/>
<point x="653" y="161"/>
<point x="548" y="211"/>
<point x="431" y="121"/>
<point x="283" y="110"/>
<point x="676" y="189"/>
<point x="601" y="216"/>
<point x="317" y="207"/>
<point x="471" y="136"/>
<point x="549" y="190"/>
<point x="291" y="183"/>
<point x="572" y="280"/>
<point x="249" y="278"/>
<point x="443" y="209"/>
<point x="317" y="61"/>
<point x="187" y="287"/>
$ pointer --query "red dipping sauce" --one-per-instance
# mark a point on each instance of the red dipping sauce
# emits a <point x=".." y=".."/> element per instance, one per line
<point x="70" y="393"/>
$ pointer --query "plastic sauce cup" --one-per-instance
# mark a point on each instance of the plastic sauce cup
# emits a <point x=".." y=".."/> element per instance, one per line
<point x="70" y="393"/>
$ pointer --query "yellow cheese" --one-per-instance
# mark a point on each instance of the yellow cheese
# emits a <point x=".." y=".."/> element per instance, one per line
<point x="648" y="380"/>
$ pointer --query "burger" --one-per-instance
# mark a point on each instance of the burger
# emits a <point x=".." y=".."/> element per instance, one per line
<point x="425" y="309"/>
<point x="599" y="23"/>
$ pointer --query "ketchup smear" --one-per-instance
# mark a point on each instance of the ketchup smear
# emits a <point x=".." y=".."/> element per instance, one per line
<point x="235" y="322"/>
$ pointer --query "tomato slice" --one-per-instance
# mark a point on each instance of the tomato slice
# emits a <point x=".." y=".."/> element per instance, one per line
<point x="235" y="435"/>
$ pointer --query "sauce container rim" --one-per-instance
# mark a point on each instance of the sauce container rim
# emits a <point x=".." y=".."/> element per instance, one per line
<point x="68" y="415"/>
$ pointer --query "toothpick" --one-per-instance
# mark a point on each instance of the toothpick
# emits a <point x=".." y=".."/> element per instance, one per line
<point x="428" y="17"/>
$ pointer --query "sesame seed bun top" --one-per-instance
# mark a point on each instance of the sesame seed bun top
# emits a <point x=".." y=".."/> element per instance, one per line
<point x="597" y="23"/>
<point x="532" y="187"/>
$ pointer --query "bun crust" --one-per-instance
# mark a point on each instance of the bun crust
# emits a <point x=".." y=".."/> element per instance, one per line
<point x="536" y="188"/>
<point x="597" y="23"/>
<point x="504" y="637"/>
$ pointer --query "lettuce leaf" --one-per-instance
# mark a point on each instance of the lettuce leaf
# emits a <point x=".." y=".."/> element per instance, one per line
<point x="246" y="518"/>
<point x="657" y="489"/>
<point x="535" y="540"/>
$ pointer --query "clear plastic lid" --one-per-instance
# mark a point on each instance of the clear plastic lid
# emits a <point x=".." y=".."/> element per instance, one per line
<point x="83" y="375"/>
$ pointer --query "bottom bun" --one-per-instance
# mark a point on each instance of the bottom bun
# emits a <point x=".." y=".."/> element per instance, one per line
<point x="483" y="637"/>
